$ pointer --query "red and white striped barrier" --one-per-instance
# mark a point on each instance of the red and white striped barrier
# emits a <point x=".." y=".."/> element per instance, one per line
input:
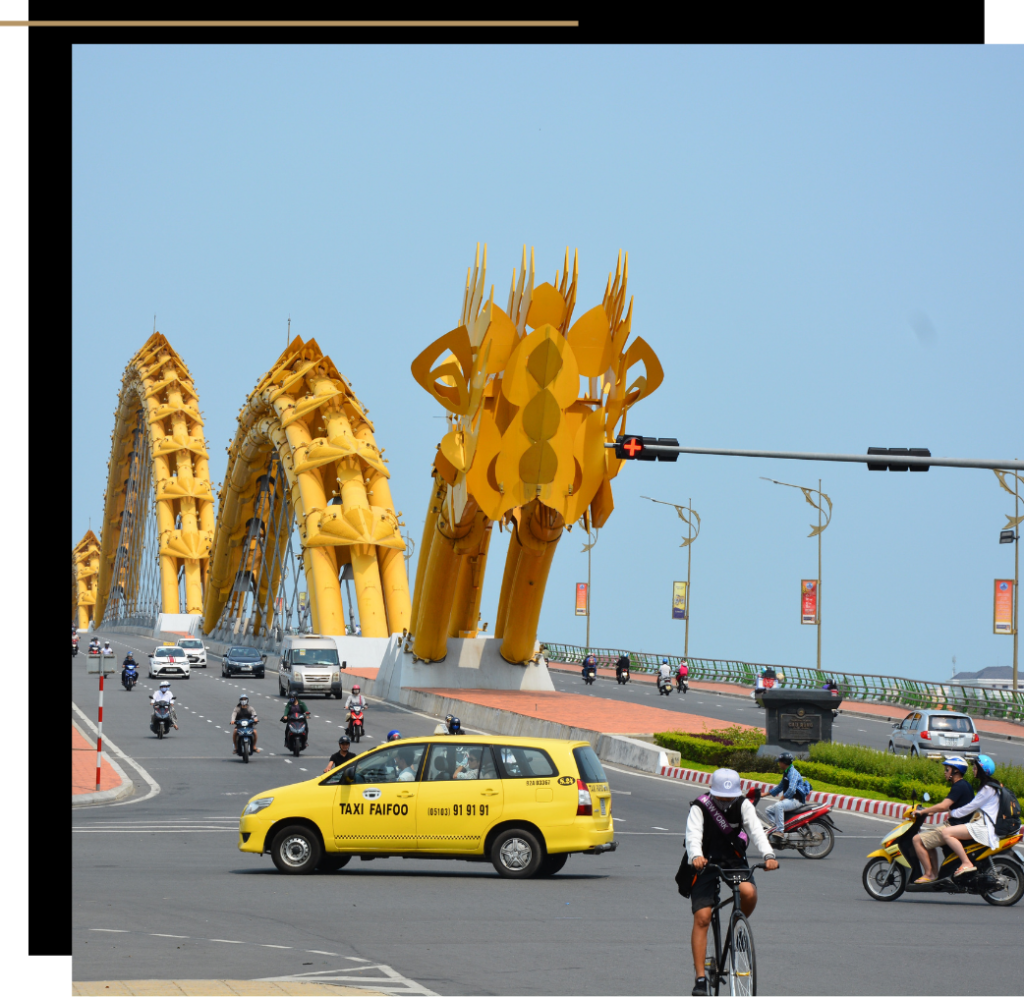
<point x="856" y="804"/>
<point x="99" y="733"/>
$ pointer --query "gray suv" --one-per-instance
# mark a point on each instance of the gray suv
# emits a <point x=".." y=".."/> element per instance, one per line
<point x="934" y="734"/>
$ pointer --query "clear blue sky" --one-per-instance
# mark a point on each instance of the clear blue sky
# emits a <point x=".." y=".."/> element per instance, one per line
<point x="826" y="251"/>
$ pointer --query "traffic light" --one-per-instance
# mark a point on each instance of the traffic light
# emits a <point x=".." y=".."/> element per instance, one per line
<point x="635" y="448"/>
<point x="897" y="452"/>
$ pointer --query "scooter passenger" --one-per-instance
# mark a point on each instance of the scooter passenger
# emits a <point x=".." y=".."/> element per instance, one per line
<point x="983" y="830"/>
<point x="622" y="666"/>
<point x="928" y="842"/>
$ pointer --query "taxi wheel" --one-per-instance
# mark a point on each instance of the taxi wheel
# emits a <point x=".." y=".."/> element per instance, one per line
<point x="332" y="862"/>
<point x="552" y="864"/>
<point x="296" y="850"/>
<point x="517" y="854"/>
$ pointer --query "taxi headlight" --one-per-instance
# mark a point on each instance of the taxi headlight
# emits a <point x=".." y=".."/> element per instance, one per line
<point x="255" y="806"/>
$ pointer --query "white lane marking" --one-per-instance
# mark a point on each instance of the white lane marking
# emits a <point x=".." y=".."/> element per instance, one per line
<point x="383" y="979"/>
<point x="159" y="934"/>
<point x="226" y="941"/>
<point x="653" y="828"/>
<point x="355" y="958"/>
<point x="113" y="931"/>
<point x="303" y="770"/>
<point x="154" y="786"/>
<point x="265" y="945"/>
<point x="621" y="820"/>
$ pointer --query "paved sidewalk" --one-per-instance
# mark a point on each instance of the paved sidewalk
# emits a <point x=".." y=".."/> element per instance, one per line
<point x="210" y="988"/>
<point x="83" y="767"/>
<point x="586" y="712"/>
<point x="884" y="711"/>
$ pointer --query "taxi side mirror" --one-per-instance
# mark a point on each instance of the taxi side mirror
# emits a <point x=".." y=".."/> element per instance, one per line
<point x="150" y="655"/>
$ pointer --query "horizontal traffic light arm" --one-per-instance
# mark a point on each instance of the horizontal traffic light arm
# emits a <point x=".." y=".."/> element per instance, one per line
<point x="849" y="458"/>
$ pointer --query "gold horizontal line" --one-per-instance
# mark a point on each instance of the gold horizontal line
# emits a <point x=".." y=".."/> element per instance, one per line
<point x="289" y="24"/>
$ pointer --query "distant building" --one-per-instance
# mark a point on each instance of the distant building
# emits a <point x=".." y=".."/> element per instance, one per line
<point x="993" y="677"/>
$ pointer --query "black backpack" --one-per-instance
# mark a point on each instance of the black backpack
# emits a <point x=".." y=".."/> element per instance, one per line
<point x="1008" y="818"/>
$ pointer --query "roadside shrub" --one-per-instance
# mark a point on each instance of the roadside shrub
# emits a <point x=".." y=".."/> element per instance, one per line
<point x="857" y="758"/>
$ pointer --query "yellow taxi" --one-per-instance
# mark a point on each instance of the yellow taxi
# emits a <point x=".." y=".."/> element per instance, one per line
<point x="524" y="804"/>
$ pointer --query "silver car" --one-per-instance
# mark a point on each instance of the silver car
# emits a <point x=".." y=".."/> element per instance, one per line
<point x="933" y="734"/>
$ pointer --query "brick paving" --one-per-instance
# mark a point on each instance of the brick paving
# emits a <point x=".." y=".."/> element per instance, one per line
<point x="586" y="712"/>
<point x="83" y="767"/>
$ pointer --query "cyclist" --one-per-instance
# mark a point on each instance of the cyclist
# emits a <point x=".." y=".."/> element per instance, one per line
<point x="718" y="829"/>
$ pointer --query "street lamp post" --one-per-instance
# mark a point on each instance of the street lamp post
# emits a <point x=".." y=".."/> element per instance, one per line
<point x="587" y="547"/>
<point x="687" y="514"/>
<point x="816" y="531"/>
<point x="1013" y="527"/>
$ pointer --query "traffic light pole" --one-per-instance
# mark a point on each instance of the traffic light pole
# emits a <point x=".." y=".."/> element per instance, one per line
<point x="896" y="459"/>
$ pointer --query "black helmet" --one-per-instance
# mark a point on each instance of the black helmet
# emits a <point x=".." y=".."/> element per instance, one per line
<point x="786" y="757"/>
<point x="456" y="725"/>
<point x="448" y="720"/>
<point x="344" y="739"/>
<point x="294" y="695"/>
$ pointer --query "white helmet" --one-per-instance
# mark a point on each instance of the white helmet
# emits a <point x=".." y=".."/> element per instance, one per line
<point x="165" y="684"/>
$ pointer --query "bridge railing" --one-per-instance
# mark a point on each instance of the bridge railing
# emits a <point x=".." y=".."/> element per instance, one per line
<point x="911" y="693"/>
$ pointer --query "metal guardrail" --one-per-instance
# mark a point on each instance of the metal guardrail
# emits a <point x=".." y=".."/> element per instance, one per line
<point x="972" y="699"/>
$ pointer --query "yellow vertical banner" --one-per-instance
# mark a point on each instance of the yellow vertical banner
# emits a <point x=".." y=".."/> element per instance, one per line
<point x="582" y="599"/>
<point x="1002" y="610"/>
<point x="679" y="608"/>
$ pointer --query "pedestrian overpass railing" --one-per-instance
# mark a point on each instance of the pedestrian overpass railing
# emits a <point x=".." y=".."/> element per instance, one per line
<point x="912" y="693"/>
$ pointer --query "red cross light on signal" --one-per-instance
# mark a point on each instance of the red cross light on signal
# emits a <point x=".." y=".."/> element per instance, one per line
<point x="632" y="447"/>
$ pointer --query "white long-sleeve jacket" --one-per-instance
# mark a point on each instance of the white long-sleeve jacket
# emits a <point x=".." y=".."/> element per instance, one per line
<point x="987" y="801"/>
<point x="751" y="824"/>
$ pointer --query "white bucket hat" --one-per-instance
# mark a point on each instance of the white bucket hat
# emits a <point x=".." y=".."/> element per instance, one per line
<point x="725" y="783"/>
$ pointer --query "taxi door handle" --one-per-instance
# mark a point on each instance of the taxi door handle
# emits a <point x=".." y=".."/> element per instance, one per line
<point x="405" y="793"/>
<point x="488" y="792"/>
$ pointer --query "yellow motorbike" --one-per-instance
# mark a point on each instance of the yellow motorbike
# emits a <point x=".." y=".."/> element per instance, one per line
<point x="892" y="869"/>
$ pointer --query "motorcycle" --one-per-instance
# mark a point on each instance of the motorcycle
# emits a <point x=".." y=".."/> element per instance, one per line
<point x="622" y="676"/>
<point x="246" y="728"/>
<point x="892" y="869"/>
<point x="682" y="685"/>
<point x="94" y="650"/>
<point x="129" y="676"/>
<point x="74" y="648"/>
<point x="589" y="674"/>
<point x="809" y="829"/>
<point x="296" y="732"/>
<point x="355" y="723"/>
<point x="161" y="722"/>
<point x="664" y="685"/>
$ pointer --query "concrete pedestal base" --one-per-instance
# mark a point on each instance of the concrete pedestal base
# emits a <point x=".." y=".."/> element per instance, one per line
<point x="471" y="663"/>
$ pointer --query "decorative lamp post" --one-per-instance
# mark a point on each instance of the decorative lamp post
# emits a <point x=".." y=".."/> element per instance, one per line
<point x="816" y="531"/>
<point x="689" y="516"/>
<point x="1012" y="535"/>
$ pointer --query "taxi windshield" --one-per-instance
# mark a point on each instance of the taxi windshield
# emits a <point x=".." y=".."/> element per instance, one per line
<point x="314" y="656"/>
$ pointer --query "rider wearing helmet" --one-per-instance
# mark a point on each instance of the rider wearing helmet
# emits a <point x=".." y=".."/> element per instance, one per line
<point x="443" y="727"/>
<point x="342" y="755"/>
<point x="927" y="842"/>
<point x="792" y="788"/>
<point x="455" y="727"/>
<point x="164" y="695"/>
<point x="394" y="735"/>
<point x="664" y="669"/>
<point x="294" y="709"/>
<point x="108" y="651"/>
<point x="243" y="709"/>
<point x="981" y="829"/>
<point x="355" y="698"/>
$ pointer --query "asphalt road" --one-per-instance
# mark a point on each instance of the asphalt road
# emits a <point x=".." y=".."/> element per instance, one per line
<point x="847" y="728"/>
<point x="159" y="888"/>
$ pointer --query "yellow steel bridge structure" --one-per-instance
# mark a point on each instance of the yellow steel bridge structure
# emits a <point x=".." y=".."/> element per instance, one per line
<point x="531" y="397"/>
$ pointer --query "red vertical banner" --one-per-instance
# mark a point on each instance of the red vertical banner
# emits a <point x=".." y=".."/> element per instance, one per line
<point x="582" y="599"/>
<point x="809" y="600"/>
<point x="1002" y="610"/>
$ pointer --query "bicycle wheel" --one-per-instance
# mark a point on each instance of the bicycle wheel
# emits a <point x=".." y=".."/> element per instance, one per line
<point x="742" y="966"/>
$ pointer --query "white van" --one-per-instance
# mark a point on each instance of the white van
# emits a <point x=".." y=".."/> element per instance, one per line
<point x="310" y="666"/>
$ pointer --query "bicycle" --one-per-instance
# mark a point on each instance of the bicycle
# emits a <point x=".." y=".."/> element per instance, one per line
<point x="738" y="949"/>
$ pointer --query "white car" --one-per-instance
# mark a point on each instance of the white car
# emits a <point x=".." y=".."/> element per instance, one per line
<point x="168" y="660"/>
<point x="195" y="651"/>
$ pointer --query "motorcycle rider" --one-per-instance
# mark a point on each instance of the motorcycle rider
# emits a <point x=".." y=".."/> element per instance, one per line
<point x="682" y="673"/>
<point x="444" y="725"/>
<point x="293" y="709"/>
<point x="129" y="659"/>
<point x="342" y="755"/>
<point x="982" y="830"/>
<point x="590" y="661"/>
<point x="622" y="665"/>
<point x="708" y="841"/>
<point x="94" y="645"/>
<point x="108" y="651"/>
<point x="243" y="709"/>
<point x="664" y="673"/>
<point x="355" y="698"/>
<point x="792" y="788"/>
<point x="394" y="735"/>
<point x="928" y="842"/>
<point x="164" y="695"/>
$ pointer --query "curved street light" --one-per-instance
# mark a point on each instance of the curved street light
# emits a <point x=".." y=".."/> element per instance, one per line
<point x="689" y="516"/>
